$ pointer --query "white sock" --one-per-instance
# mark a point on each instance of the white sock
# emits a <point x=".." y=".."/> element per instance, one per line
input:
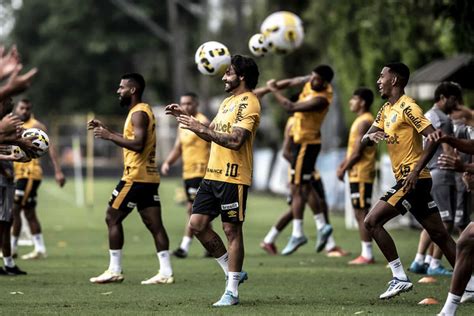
<point x="9" y="262"/>
<point x="38" y="241"/>
<point x="14" y="243"/>
<point x="115" y="264"/>
<point x="271" y="235"/>
<point x="435" y="263"/>
<point x="331" y="243"/>
<point x="367" y="250"/>
<point x="223" y="262"/>
<point x="320" y="220"/>
<point x="470" y="284"/>
<point x="428" y="259"/>
<point x="397" y="269"/>
<point x="297" y="228"/>
<point x="233" y="283"/>
<point x="165" y="263"/>
<point x="419" y="258"/>
<point x="451" y="305"/>
<point x="185" y="243"/>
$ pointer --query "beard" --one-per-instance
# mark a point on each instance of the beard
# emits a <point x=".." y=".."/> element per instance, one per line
<point x="231" y="85"/>
<point x="318" y="87"/>
<point x="125" y="101"/>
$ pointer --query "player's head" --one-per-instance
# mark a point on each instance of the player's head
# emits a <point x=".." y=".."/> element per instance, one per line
<point x="448" y="95"/>
<point x="362" y="98"/>
<point x="23" y="109"/>
<point x="393" y="75"/>
<point x="189" y="101"/>
<point x="131" y="86"/>
<point x="321" y="76"/>
<point x="242" y="72"/>
<point x="6" y="106"/>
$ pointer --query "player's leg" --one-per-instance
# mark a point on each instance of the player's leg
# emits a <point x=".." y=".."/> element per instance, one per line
<point x="462" y="281"/>
<point x="361" y="203"/>
<point x="268" y="243"/>
<point x="323" y="228"/>
<point x="29" y="209"/>
<point x="18" y="203"/>
<point x="418" y="265"/>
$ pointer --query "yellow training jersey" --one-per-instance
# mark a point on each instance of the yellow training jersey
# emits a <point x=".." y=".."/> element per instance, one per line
<point x="307" y="126"/>
<point x="234" y="166"/>
<point x="289" y="125"/>
<point x="141" y="167"/>
<point x="364" y="169"/>
<point x="403" y="122"/>
<point x="31" y="169"/>
<point x="194" y="151"/>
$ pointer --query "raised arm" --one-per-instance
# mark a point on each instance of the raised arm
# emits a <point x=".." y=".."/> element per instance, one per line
<point x="313" y="104"/>
<point x="282" y="84"/>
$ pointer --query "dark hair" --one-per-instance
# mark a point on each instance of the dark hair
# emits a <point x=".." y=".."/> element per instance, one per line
<point x="137" y="80"/>
<point x="25" y="100"/>
<point x="246" y="67"/>
<point x="401" y="71"/>
<point x="191" y="94"/>
<point x="365" y="94"/>
<point x="325" y="72"/>
<point x="448" y="88"/>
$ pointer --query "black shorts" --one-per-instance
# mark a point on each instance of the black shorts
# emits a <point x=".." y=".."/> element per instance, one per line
<point x="361" y="195"/>
<point x="418" y="201"/>
<point x="128" y="195"/>
<point x="302" y="164"/>
<point x="318" y="186"/>
<point x="191" y="187"/>
<point x="26" y="191"/>
<point x="216" y="198"/>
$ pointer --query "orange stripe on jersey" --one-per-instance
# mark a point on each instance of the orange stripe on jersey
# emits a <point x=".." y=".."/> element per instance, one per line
<point x="241" y="202"/>
<point x="299" y="163"/>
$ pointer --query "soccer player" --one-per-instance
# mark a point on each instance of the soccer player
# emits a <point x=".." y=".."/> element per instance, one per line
<point x="309" y="113"/>
<point x="195" y="154"/>
<point x="139" y="184"/>
<point x="447" y="96"/>
<point x="223" y="190"/>
<point x="28" y="177"/>
<point x="360" y="166"/>
<point x="401" y="123"/>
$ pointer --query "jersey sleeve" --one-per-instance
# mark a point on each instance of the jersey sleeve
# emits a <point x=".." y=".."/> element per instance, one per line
<point x="414" y="116"/>
<point x="248" y="114"/>
<point x="379" y="119"/>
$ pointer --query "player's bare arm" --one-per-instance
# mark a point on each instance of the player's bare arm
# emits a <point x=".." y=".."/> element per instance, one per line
<point x="464" y="145"/>
<point x="10" y="127"/>
<point x="314" y="104"/>
<point x="357" y="153"/>
<point x="287" y="154"/>
<point x="174" y="155"/>
<point x="175" y="109"/>
<point x="373" y="136"/>
<point x="140" y="123"/>
<point x="282" y="84"/>
<point x="233" y="141"/>
<point x="58" y="173"/>
<point x="17" y="83"/>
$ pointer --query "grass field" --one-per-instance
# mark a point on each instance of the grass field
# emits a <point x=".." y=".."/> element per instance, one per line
<point x="304" y="283"/>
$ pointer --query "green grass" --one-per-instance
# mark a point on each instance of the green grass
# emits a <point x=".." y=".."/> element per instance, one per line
<point x="304" y="283"/>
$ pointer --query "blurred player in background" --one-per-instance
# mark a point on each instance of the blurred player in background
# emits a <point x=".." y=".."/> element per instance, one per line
<point x="194" y="152"/>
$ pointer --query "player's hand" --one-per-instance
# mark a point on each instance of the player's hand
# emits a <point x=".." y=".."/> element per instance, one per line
<point x="175" y="110"/>
<point x="190" y="123"/>
<point x="10" y="126"/>
<point x="437" y="136"/>
<point x="60" y="179"/>
<point x="468" y="179"/>
<point x="271" y="84"/>
<point x="340" y="173"/>
<point x="165" y="168"/>
<point x="94" y="124"/>
<point x="102" y="133"/>
<point x="377" y="136"/>
<point x="451" y="162"/>
<point x="409" y="182"/>
<point x="8" y="61"/>
<point x="27" y="145"/>
<point x="17" y="83"/>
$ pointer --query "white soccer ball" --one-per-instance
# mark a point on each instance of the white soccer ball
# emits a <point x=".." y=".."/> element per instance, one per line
<point x="212" y="58"/>
<point x="18" y="152"/>
<point x="41" y="141"/>
<point x="258" y="45"/>
<point x="283" y="31"/>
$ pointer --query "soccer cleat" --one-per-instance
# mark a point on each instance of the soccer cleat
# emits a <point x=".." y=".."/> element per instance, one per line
<point x="323" y="235"/>
<point x="107" y="277"/>
<point x="439" y="271"/>
<point x="159" y="279"/>
<point x="14" y="271"/>
<point x="293" y="244"/>
<point x="336" y="252"/>
<point x="270" y="248"/>
<point x="417" y="268"/>
<point x="227" y="299"/>
<point x="395" y="287"/>
<point x="468" y="296"/>
<point x="34" y="255"/>
<point x="360" y="260"/>
<point x="180" y="253"/>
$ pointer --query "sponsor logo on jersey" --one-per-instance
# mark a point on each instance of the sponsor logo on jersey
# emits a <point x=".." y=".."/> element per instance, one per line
<point x="415" y="120"/>
<point x="406" y="205"/>
<point x="392" y="140"/>
<point x="240" y="116"/>
<point x="232" y="213"/>
<point x="229" y="206"/>
<point x="131" y="205"/>
<point x="218" y="171"/>
<point x="394" y="118"/>
<point x="223" y="127"/>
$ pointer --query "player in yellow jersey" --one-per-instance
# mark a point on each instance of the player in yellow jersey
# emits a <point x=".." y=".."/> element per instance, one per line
<point x="223" y="191"/>
<point x="309" y="112"/>
<point x="360" y="166"/>
<point x="139" y="184"/>
<point x="194" y="152"/>
<point x="401" y="123"/>
<point x="28" y="176"/>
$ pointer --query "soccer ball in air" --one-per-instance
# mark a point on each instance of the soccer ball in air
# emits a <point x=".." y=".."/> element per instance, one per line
<point x="17" y="151"/>
<point x="41" y="141"/>
<point x="258" y="45"/>
<point x="283" y="31"/>
<point x="212" y="58"/>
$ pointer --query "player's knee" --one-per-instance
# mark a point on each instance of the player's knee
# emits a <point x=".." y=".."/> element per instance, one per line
<point x="465" y="243"/>
<point x="369" y="223"/>
<point x="231" y="231"/>
<point x="197" y="227"/>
